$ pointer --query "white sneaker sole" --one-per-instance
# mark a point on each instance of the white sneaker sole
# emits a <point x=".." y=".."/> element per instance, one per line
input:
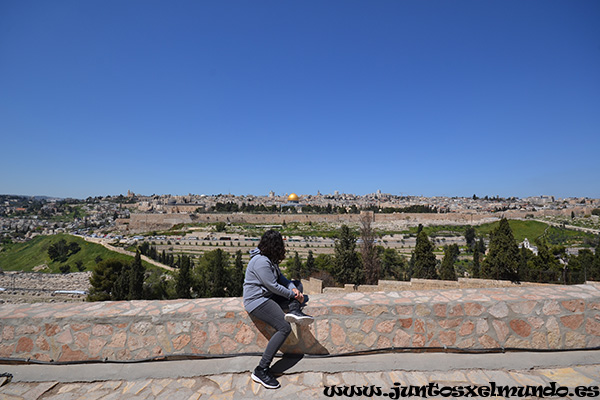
<point x="257" y="380"/>
<point x="299" y="320"/>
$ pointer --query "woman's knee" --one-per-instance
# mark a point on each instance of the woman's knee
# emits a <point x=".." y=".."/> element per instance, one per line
<point x="285" y="328"/>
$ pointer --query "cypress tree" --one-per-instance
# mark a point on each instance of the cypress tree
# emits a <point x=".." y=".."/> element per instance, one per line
<point x="476" y="263"/>
<point x="217" y="266"/>
<point x="470" y="237"/>
<point x="183" y="280"/>
<point x="309" y="265"/>
<point x="294" y="267"/>
<point x="424" y="261"/>
<point x="237" y="276"/>
<point x="526" y="272"/>
<point x="368" y="251"/>
<point x="347" y="267"/>
<point x="502" y="262"/>
<point x="447" y="271"/>
<point x="120" y="290"/>
<point x="481" y="246"/>
<point x="136" y="278"/>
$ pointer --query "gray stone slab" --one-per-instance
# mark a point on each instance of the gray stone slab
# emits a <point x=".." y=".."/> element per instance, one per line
<point x="407" y="362"/>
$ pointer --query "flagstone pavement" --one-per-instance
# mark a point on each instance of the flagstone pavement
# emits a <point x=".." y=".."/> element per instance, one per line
<point x="307" y="377"/>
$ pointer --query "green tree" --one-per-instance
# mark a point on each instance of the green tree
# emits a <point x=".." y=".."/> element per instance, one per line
<point x="481" y="246"/>
<point x="447" y="271"/>
<point x="65" y="268"/>
<point x="470" y="237"/>
<point x="183" y="279"/>
<point x="583" y="266"/>
<point x="156" y="286"/>
<point x="368" y="251"/>
<point x="347" y="267"/>
<point x="293" y="267"/>
<point x="212" y="274"/>
<point x="220" y="226"/>
<point x="136" y="278"/>
<point x="393" y="265"/>
<point x="502" y="261"/>
<point x="424" y="259"/>
<point x="475" y="269"/>
<point x="74" y="248"/>
<point x="309" y="265"/>
<point x="237" y="276"/>
<point x="103" y="279"/>
<point x="59" y="251"/>
<point x="525" y="264"/>
<point x="546" y="266"/>
<point x="120" y="289"/>
<point x="324" y="262"/>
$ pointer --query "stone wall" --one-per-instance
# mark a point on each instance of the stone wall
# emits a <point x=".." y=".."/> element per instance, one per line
<point x="152" y="222"/>
<point x="28" y="287"/>
<point x="553" y="317"/>
<point x="314" y="286"/>
<point x="149" y="222"/>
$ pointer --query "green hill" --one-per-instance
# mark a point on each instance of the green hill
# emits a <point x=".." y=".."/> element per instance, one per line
<point x="521" y="229"/>
<point x="26" y="256"/>
<point x="535" y="229"/>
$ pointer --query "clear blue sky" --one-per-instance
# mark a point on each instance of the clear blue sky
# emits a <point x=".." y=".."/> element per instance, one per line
<point x="427" y="98"/>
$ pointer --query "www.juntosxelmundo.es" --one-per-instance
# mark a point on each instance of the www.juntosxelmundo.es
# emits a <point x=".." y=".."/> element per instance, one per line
<point x="552" y="390"/>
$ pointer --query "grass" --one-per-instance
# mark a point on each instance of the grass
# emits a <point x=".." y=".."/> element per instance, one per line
<point x="26" y="256"/>
<point x="535" y="229"/>
<point x="521" y="229"/>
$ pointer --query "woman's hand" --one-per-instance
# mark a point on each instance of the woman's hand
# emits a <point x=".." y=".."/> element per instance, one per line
<point x="298" y="295"/>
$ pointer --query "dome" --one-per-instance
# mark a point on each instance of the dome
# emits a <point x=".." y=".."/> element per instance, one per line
<point x="293" y="197"/>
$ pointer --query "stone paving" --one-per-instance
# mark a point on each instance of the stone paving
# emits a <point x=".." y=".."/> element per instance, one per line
<point x="299" y="385"/>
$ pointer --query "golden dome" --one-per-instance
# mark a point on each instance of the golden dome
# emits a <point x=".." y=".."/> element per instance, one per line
<point x="293" y="197"/>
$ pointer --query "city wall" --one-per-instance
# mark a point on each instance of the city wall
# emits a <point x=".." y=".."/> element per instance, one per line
<point x="545" y="317"/>
<point x="149" y="222"/>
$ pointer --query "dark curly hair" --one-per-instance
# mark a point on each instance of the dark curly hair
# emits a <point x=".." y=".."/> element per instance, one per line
<point x="271" y="246"/>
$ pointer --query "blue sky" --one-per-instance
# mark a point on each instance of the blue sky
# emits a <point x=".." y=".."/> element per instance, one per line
<point x="429" y="98"/>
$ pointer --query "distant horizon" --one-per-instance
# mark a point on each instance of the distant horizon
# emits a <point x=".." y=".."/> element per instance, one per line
<point x="296" y="192"/>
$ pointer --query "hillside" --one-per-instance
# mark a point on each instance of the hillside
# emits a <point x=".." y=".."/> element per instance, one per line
<point x="26" y="256"/>
<point x="535" y="229"/>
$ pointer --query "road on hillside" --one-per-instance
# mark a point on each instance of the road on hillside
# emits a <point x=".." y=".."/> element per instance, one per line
<point x="104" y="243"/>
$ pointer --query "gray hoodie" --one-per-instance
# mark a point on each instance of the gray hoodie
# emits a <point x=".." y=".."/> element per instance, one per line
<point x="264" y="279"/>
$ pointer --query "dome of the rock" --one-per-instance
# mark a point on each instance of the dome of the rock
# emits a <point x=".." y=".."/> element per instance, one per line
<point x="293" y="197"/>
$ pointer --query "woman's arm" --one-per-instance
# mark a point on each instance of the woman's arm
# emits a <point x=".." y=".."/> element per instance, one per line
<point x="268" y="278"/>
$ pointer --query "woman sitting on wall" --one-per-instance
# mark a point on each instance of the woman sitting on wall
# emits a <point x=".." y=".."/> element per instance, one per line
<point x="267" y="294"/>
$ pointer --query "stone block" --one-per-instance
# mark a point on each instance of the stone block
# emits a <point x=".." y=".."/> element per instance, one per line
<point x="520" y="327"/>
<point x="474" y="309"/>
<point x="467" y="328"/>
<point x="24" y="345"/>
<point x="574" y="305"/>
<point x="572" y="321"/>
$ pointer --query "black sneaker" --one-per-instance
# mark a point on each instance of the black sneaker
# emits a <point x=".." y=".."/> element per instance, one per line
<point x="298" y="317"/>
<point x="264" y="377"/>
